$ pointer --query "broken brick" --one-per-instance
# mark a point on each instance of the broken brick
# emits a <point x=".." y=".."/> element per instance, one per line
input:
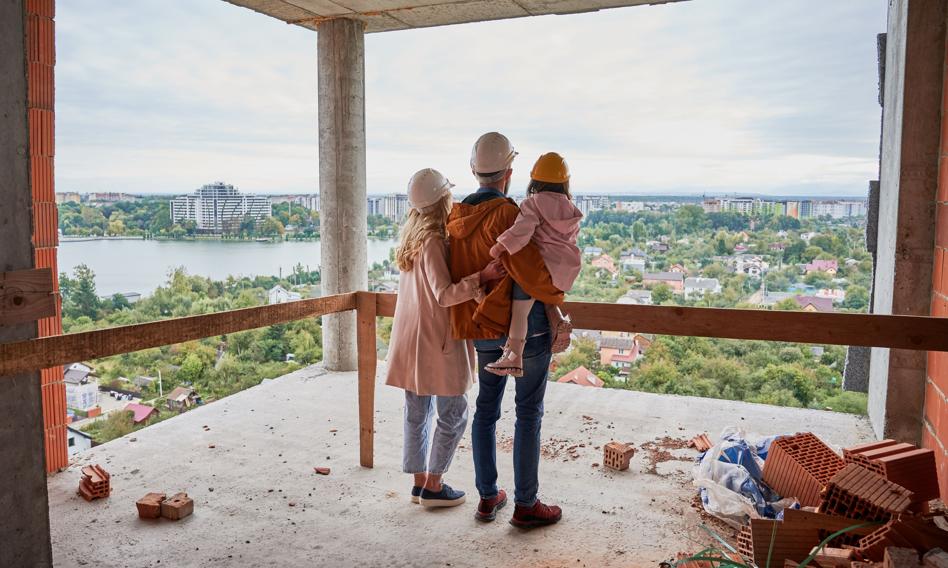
<point x="857" y="493"/>
<point x="149" y="506"/>
<point x="617" y="455"/>
<point x="799" y="466"/>
<point x="322" y="470"/>
<point x="702" y="443"/>
<point x="178" y="506"/>
<point x="95" y="483"/>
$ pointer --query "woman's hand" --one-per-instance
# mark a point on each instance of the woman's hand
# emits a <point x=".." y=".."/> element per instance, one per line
<point x="492" y="272"/>
<point x="497" y="250"/>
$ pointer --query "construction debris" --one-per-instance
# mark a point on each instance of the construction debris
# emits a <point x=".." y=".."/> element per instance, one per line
<point x="617" y="455"/>
<point x="701" y="442"/>
<point x="912" y="468"/>
<point x="800" y="466"/>
<point x="177" y="507"/>
<point x="321" y="470"/>
<point x="96" y="483"/>
<point x="149" y="506"/>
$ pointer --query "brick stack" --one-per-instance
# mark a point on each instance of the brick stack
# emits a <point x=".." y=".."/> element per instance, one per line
<point x="911" y="467"/>
<point x="95" y="483"/>
<point x="155" y="505"/>
<point x="617" y="455"/>
<point x="41" y="60"/>
<point x="857" y="493"/>
<point x="800" y="466"/>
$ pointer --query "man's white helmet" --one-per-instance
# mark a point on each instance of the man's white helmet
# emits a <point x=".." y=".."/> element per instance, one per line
<point x="426" y="188"/>
<point x="492" y="153"/>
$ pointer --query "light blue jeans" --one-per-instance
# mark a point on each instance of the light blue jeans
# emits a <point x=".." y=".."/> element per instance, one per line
<point x="452" y="420"/>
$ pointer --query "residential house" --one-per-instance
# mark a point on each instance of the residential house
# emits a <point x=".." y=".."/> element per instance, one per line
<point x="675" y="280"/>
<point x="814" y="304"/>
<point x="700" y="287"/>
<point x="807" y="236"/>
<point x="142" y="413"/>
<point x="777" y="247"/>
<point x="605" y="262"/>
<point x="77" y="441"/>
<point x="182" y="398"/>
<point x="82" y="389"/>
<point x="678" y="268"/>
<point x="770" y="299"/>
<point x="658" y="247"/>
<point x="583" y="377"/>
<point x="835" y="294"/>
<point x="851" y="262"/>
<point x="618" y="351"/>
<point x="280" y="295"/>
<point x="740" y="248"/>
<point x="640" y="297"/>
<point x="592" y="251"/>
<point x="751" y="265"/>
<point x="828" y="266"/>
<point x="632" y="261"/>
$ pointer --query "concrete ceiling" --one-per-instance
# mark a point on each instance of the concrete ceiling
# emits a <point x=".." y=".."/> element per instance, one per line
<point x="389" y="15"/>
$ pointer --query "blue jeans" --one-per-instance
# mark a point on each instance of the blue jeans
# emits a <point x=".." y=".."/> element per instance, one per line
<point x="452" y="420"/>
<point x="529" y="406"/>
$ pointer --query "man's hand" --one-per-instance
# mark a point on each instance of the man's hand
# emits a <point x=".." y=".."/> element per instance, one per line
<point x="492" y="273"/>
<point x="497" y="250"/>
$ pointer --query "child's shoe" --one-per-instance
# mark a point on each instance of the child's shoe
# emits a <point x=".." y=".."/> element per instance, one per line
<point x="511" y="362"/>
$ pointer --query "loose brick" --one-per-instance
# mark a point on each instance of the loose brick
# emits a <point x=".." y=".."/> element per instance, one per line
<point x="857" y="493"/>
<point x="95" y="483"/>
<point x="177" y="507"/>
<point x="149" y="506"/>
<point x="799" y="466"/>
<point x="617" y="455"/>
<point x="322" y="470"/>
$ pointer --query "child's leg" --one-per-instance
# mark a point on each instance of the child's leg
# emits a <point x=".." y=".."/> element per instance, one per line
<point x="511" y="362"/>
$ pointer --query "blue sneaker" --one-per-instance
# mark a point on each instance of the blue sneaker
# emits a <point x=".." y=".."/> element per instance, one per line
<point x="416" y="494"/>
<point x="447" y="497"/>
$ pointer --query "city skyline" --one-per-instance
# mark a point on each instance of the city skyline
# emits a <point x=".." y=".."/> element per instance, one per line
<point x="781" y="100"/>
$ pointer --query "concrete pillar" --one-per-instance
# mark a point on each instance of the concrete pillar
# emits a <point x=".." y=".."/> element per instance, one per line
<point x="24" y="531"/>
<point x="343" y="225"/>
<point x="911" y="132"/>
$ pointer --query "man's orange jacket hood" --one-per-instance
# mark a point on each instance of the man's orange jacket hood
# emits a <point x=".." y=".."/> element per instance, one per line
<point x="473" y="230"/>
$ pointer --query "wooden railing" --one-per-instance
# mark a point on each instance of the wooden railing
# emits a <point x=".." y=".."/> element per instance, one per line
<point x="899" y="332"/>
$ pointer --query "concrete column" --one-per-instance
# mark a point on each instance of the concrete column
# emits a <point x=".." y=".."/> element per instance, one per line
<point x="24" y="531"/>
<point x="343" y="225"/>
<point x="911" y="132"/>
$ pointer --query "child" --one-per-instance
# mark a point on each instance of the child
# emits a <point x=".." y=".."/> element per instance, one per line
<point x="434" y="370"/>
<point x="548" y="218"/>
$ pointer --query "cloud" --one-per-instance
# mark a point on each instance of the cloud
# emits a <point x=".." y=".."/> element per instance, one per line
<point x="708" y="95"/>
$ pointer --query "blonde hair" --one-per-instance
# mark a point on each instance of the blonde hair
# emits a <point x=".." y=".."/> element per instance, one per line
<point x="418" y="227"/>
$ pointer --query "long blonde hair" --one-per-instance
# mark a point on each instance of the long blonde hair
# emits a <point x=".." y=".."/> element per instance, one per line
<point x="418" y="227"/>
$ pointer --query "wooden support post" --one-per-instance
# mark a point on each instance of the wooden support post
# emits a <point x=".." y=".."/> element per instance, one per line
<point x="26" y="296"/>
<point x="368" y="363"/>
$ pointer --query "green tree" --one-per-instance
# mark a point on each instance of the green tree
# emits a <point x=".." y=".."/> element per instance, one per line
<point x="662" y="293"/>
<point x="81" y="298"/>
<point x="857" y="298"/>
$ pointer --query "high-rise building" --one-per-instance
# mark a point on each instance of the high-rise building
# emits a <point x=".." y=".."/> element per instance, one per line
<point x="393" y="206"/>
<point x="218" y="207"/>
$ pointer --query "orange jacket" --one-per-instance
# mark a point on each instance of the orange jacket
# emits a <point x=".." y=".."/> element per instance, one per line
<point x="473" y="230"/>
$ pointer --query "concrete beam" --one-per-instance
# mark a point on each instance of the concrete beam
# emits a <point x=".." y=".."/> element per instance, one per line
<point x="24" y="531"/>
<point x="911" y="133"/>
<point x="342" y="189"/>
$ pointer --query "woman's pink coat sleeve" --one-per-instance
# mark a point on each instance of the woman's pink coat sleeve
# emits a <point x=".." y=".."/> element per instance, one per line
<point x="447" y="293"/>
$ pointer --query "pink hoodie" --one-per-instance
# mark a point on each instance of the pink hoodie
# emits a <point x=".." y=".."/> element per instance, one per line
<point x="552" y="222"/>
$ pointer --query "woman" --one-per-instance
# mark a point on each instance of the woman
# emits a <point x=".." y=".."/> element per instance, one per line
<point x="432" y="367"/>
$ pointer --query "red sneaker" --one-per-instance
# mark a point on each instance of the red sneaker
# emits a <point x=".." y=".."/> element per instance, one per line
<point x="487" y="508"/>
<point x="539" y="515"/>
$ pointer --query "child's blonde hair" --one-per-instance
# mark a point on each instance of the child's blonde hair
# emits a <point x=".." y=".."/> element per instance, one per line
<point x="418" y="227"/>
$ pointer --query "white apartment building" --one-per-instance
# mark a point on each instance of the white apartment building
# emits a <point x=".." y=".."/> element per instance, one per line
<point x="217" y="207"/>
<point x="839" y="209"/>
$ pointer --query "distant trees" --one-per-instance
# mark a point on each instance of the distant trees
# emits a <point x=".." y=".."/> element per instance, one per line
<point x="79" y="294"/>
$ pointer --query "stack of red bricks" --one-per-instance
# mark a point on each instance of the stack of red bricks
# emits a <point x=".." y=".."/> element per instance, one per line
<point x="878" y="492"/>
<point x="154" y="505"/>
<point x="96" y="483"/>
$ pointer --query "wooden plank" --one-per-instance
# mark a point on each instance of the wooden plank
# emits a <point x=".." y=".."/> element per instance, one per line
<point x="62" y="349"/>
<point x="26" y="296"/>
<point x="368" y="361"/>
<point x="902" y="332"/>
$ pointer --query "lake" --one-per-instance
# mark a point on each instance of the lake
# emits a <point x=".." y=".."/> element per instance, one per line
<point x="141" y="266"/>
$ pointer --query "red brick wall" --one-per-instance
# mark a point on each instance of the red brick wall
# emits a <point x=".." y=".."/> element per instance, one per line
<point x="41" y="59"/>
<point x="935" y="432"/>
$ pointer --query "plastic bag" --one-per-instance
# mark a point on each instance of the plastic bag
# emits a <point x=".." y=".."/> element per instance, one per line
<point x="729" y="479"/>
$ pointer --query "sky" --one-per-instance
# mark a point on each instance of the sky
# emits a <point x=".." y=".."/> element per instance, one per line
<point x="704" y="96"/>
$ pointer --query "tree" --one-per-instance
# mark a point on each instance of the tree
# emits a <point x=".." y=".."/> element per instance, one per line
<point x="722" y="247"/>
<point x="639" y="231"/>
<point x="787" y="305"/>
<point x="662" y="293"/>
<point x="272" y="227"/>
<point x="857" y="298"/>
<point x="82" y="299"/>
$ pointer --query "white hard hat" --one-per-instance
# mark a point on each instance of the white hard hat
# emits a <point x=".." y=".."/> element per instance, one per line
<point x="492" y="152"/>
<point x="426" y="188"/>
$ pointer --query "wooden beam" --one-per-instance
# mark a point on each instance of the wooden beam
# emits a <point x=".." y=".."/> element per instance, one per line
<point x="368" y="362"/>
<point x="26" y="296"/>
<point x="900" y="332"/>
<point x="61" y="349"/>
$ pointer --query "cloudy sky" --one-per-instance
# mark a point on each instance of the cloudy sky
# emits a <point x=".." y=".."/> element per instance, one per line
<point x="776" y="97"/>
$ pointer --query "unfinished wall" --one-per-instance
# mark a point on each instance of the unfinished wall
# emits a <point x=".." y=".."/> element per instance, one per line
<point x="24" y="531"/>
<point x="915" y="59"/>
<point x="935" y="433"/>
<point x="41" y="58"/>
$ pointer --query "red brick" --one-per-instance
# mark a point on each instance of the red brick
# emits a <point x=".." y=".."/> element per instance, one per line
<point x="178" y="506"/>
<point x="799" y="466"/>
<point x="943" y="172"/>
<point x="934" y="406"/>
<point x="149" y="506"/>
<point x="617" y="455"/>
<point x="941" y="226"/>
<point x="45" y="8"/>
<point x="939" y="306"/>
<point x="939" y="278"/>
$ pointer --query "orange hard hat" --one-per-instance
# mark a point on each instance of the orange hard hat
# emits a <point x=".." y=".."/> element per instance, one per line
<point x="551" y="168"/>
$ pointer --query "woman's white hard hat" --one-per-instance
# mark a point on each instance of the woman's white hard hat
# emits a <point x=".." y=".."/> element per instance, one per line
<point x="426" y="188"/>
<point x="492" y="153"/>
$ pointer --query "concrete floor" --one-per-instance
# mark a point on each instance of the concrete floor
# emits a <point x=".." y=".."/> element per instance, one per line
<point x="258" y="502"/>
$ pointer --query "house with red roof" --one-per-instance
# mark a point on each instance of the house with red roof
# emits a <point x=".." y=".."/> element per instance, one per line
<point x="814" y="303"/>
<point x="142" y="412"/>
<point x="818" y="265"/>
<point x="583" y="377"/>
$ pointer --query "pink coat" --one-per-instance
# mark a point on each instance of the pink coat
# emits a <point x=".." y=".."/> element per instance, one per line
<point x="552" y="222"/>
<point x="423" y="357"/>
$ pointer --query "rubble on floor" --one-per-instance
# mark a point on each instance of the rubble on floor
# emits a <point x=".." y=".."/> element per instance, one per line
<point x="869" y="508"/>
<point x="96" y="483"/>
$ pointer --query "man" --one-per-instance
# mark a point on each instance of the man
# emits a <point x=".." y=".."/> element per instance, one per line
<point x="473" y="228"/>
